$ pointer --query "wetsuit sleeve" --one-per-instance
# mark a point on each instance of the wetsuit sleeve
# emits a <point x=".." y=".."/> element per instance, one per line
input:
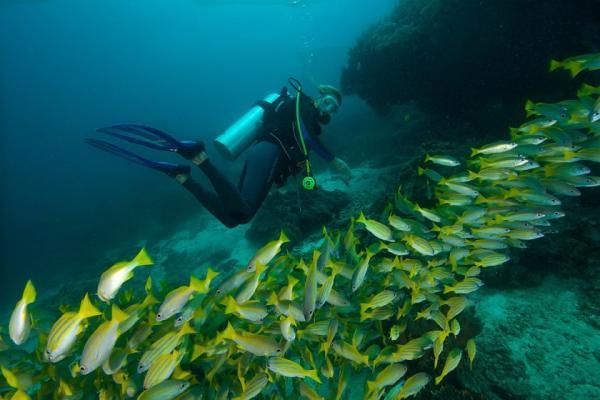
<point x="319" y="148"/>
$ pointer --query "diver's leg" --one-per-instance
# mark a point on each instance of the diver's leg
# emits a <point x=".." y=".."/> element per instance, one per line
<point x="226" y="190"/>
<point x="257" y="177"/>
<point x="209" y="200"/>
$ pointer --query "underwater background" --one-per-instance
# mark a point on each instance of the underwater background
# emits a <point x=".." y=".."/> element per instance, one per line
<point x="419" y="76"/>
<point x="189" y="67"/>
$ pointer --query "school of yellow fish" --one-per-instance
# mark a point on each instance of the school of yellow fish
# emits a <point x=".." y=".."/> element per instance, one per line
<point x="372" y="299"/>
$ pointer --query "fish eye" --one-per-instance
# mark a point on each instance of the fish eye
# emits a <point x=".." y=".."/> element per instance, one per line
<point x="159" y="316"/>
<point x="83" y="368"/>
<point x="278" y="350"/>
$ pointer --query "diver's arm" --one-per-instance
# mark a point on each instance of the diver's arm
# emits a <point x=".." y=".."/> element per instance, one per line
<point x="319" y="148"/>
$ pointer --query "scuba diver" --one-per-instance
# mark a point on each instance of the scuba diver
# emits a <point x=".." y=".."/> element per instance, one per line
<point x="279" y="131"/>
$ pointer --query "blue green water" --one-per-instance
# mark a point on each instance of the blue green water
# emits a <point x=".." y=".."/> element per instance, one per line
<point x="188" y="67"/>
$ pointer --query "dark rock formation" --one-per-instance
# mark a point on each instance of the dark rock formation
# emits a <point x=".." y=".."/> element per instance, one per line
<point x="298" y="214"/>
<point x="470" y="61"/>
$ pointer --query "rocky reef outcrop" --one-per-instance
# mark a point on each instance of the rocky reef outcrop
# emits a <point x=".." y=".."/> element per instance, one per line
<point x="470" y="62"/>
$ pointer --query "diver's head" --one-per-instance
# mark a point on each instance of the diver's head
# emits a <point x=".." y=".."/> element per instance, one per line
<point x="329" y="103"/>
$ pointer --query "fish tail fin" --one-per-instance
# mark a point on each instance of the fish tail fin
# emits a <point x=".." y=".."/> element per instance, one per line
<point x="187" y="329"/>
<point x="11" y="379"/>
<point x="230" y="305"/>
<point x="196" y="284"/>
<point x="361" y="218"/>
<point x="118" y="315"/>
<point x="149" y="300"/>
<point x="554" y="64"/>
<point x="447" y="289"/>
<point x="211" y="274"/>
<point x="529" y="106"/>
<point x="87" y="309"/>
<point x="198" y="351"/>
<point x="283" y="237"/>
<point x="514" y="133"/>
<point x="229" y="332"/>
<point x="420" y="170"/>
<point x="363" y="307"/>
<point x="570" y="155"/>
<point x="273" y="300"/>
<point x="473" y="175"/>
<point x="312" y="374"/>
<point x="292" y="281"/>
<point x="29" y="294"/>
<point x="427" y="157"/>
<point x="148" y="285"/>
<point x="439" y="379"/>
<point x="142" y="259"/>
<point x="575" y="68"/>
<point x="371" y="386"/>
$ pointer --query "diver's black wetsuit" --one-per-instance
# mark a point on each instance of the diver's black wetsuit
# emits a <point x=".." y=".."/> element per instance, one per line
<point x="273" y="158"/>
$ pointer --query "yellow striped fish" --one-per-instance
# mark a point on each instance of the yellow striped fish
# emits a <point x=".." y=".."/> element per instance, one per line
<point x="162" y="368"/>
<point x="101" y="343"/>
<point x="291" y="369"/>
<point x="164" y="345"/>
<point x="168" y="389"/>
<point x="64" y="332"/>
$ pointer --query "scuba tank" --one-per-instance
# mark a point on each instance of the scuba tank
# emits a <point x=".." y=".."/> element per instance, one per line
<point x="239" y="136"/>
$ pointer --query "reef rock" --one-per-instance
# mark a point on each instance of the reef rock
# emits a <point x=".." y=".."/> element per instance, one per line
<point x="470" y="60"/>
<point x="298" y="213"/>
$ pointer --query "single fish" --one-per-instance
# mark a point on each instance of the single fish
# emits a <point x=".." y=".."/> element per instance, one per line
<point x="381" y="299"/>
<point x="178" y="298"/>
<point x="376" y="228"/>
<point x="471" y="351"/>
<point x="250" y="310"/>
<point x="258" y="345"/>
<point x="310" y="288"/>
<point x="247" y="291"/>
<point x="101" y="343"/>
<point x="291" y="369"/>
<point x="413" y="385"/>
<point x="350" y="352"/>
<point x="450" y="365"/>
<point x="466" y="286"/>
<point x="64" y="332"/>
<point x="575" y="65"/>
<point x="446" y="161"/>
<point x="325" y="290"/>
<point x="19" y="326"/>
<point x="162" y="368"/>
<point x="494" y="148"/>
<point x="358" y="277"/>
<point x="253" y="387"/>
<point x="113" y="278"/>
<point x="234" y="281"/>
<point x="267" y="252"/>
<point x="166" y="390"/>
<point x="387" y="377"/>
<point x="166" y="344"/>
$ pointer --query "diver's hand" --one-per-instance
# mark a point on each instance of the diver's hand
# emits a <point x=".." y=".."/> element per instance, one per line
<point x="339" y="166"/>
